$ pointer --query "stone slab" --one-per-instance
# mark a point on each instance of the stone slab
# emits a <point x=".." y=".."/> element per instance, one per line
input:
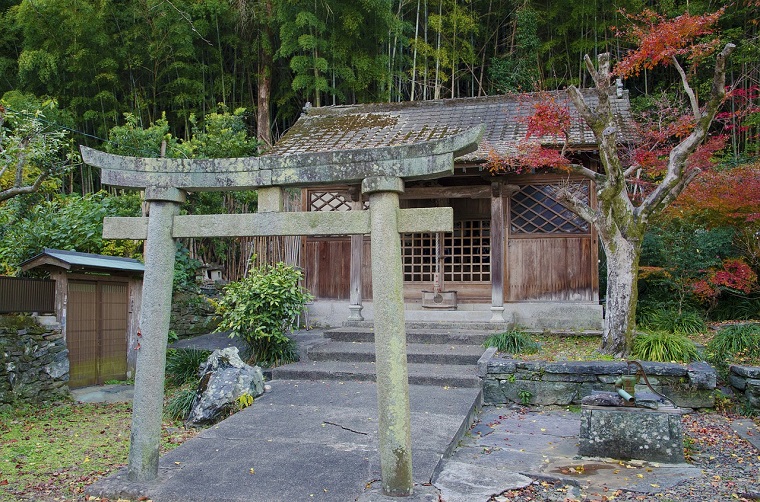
<point x="543" y="445"/>
<point x="748" y="430"/>
<point x="463" y="482"/>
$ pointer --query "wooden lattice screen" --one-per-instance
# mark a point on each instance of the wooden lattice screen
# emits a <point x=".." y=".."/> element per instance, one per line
<point x="328" y="201"/>
<point x="534" y="210"/>
<point x="466" y="254"/>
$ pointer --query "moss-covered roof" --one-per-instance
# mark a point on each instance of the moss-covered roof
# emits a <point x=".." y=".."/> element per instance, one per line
<point x="332" y="128"/>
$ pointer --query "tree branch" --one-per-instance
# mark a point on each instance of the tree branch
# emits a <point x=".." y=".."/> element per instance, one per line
<point x="689" y="91"/>
<point x="673" y="183"/>
<point x="568" y="199"/>
<point x="18" y="190"/>
<point x="588" y="173"/>
<point x="631" y="170"/>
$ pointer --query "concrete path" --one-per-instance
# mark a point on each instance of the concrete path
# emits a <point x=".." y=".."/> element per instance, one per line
<point x="303" y="440"/>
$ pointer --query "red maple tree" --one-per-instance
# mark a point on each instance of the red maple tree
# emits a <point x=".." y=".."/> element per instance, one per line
<point x="667" y="159"/>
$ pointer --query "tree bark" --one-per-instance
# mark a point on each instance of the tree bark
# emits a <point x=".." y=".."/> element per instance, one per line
<point x="622" y="294"/>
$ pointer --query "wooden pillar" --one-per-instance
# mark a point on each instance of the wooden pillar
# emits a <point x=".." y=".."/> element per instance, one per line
<point x="357" y="254"/>
<point x="497" y="253"/>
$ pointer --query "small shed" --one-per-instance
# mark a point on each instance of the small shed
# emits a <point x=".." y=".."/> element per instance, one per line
<point x="97" y="303"/>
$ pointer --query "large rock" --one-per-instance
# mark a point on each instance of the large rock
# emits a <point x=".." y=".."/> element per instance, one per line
<point x="224" y="378"/>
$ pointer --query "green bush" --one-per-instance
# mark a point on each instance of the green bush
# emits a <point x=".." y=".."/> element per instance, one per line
<point x="732" y="307"/>
<point x="261" y="308"/>
<point x="182" y="365"/>
<point x="736" y="343"/>
<point x="513" y="341"/>
<point x="685" y="322"/>
<point x="179" y="404"/>
<point x="664" y="347"/>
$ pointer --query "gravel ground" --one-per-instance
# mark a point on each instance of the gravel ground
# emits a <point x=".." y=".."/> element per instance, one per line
<point x="730" y="469"/>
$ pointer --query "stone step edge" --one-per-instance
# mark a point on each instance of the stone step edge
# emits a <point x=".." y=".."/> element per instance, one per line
<point x="416" y="353"/>
<point x="414" y="379"/>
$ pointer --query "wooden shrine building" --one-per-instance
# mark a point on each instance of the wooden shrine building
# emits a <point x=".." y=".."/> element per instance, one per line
<point x="513" y="245"/>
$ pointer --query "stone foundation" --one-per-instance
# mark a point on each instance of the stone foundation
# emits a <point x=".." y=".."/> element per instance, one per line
<point x="34" y="362"/>
<point x="746" y="381"/>
<point x="563" y="383"/>
<point x="193" y="315"/>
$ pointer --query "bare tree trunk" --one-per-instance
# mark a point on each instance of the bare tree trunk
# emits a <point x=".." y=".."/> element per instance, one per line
<point x="622" y="294"/>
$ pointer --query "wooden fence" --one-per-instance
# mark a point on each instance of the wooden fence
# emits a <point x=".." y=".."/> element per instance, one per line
<point x="27" y="295"/>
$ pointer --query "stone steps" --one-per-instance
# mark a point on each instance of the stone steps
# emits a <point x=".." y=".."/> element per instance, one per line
<point x="425" y="353"/>
<point x="439" y="354"/>
<point x="440" y="375"/>
<point x="441" y="336"/>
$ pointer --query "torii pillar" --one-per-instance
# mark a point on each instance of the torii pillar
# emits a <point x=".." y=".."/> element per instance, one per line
<point x="381" y="172"/>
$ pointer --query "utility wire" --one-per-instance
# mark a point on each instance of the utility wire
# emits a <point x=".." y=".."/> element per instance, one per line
<point x="82" y="133"/>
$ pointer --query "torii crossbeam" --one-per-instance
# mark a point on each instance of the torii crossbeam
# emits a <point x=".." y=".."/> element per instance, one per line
<point x="380" y="171"/>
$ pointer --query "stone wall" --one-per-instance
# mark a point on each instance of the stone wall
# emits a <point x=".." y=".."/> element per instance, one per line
<point x="193" y="314"/>
<point x="562" y="383"/>
<point x="746" y="381"/>
<point x="34" y="361"/>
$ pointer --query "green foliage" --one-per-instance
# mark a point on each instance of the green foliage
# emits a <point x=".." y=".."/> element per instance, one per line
<point x="685" y="322"/>
<point x="222" y="135"/>
<point x="736" y="307"/>
<point x="735" y="344"/>
<point x="182" y="365"/>
<point x="513" y="341"/>
<point x="34" y="156"/>
<point x="664" y="347"/>
<point x="674" y="255"/>
<point x="18" y="322"/>
<point x="70" y="222"/>
<point x="525" y="396"/>
<point x="179" y="404"/>
<point x="261" y="308"/>
<point x="518" y="72"/>
<point x="185" y="269"/>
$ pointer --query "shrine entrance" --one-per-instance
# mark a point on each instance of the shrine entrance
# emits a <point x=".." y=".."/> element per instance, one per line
<point x="381" y="173"/>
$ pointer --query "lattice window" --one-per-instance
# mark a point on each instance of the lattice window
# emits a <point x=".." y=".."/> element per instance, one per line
<point x="418" y="256"/>
<point x="534" y="210"/>
<point x="465" y="253"/>
<point x="470" y="252"/>
<point x="328" y="201"/>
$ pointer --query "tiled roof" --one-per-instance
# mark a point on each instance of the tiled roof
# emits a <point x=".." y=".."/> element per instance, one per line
<point x="388" y="124"/>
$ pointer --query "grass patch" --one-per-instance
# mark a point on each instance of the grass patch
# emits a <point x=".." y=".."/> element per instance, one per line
<point x="555" y="347"/>
<point x="735" y="344"/>
<point x="664" y="347"/>
<point x="53" y="453"/>
<point x="513" y="341"/>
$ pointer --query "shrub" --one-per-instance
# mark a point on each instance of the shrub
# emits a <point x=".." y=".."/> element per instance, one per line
<point x="732" y="307"/>
<point x="685" y="322"/>
<point x="664" y="347"/>
<point x="735" y="343"/>
<point x="261" y="308"/>
<point x="513" y="341"/>
<point x="182" y="365"/>
<point x="179" y="404"/>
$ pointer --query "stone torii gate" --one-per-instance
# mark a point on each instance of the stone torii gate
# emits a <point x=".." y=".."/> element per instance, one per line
<point x="380" y="171"/>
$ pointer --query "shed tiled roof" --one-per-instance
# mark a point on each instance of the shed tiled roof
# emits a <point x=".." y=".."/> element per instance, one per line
<point x="390" y="124"/>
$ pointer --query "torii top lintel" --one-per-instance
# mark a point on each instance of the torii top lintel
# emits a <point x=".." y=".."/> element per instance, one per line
<point x="430" y="159"/>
